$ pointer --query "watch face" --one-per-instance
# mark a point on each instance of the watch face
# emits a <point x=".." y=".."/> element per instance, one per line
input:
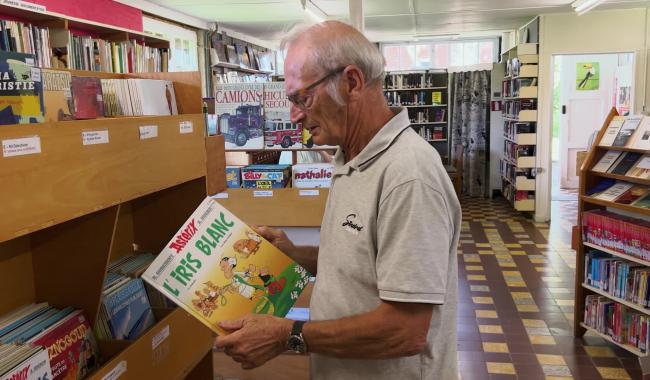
<point x="296" y="344"/>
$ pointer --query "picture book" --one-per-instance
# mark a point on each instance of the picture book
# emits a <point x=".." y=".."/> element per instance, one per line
<point x="240" y="116"/>
<point x="631" y="195"/>
<point x="606" y="161"/>
<point x="630" y="125"/>
<point x="57" y="95"/>
<point x="73" y="350"/>
<point x="612" y="131"/>
<point x="126" y="310"/>
<point x="279" y="131"/>
<point x="641" y="169"/>
<point x="625" y="163"/>
<point x="218" y="269"/>
<point x="21" y="89"/>
<point x="87" y="97"/>
<point x="35" y="364"/>
<point x="232" y="55"/>
<point x="265" y="176"/>
<point x="614" y="192"/>
<point x="641" y="138"/>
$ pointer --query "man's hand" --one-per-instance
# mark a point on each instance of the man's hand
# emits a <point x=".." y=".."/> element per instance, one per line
<point x="277" y="237"/>
<point x="254" y="339"/>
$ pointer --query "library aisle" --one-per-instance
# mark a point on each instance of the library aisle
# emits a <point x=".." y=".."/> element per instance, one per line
<point x="516" y="291"/>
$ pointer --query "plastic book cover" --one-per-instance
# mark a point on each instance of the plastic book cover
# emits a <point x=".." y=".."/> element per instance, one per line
<point x="87" y="97"/>
<point x="57" y="95"/>
<point x="279" y="131"/>
<point x="240" y="116"/>
<point x="36" y="367"/>
<point x="21" y="89"/>
<point x="128" y="310"/>
<point x="217" y="269"/>
<point x="72" y="347"/>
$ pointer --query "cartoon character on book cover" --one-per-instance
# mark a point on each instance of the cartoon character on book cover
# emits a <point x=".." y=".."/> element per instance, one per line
<point x="240" y="115"/>
<point x="217" y="268"/>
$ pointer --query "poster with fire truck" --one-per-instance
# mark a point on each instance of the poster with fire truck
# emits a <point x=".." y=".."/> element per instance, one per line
<point x="240" y="115"/>
<point x="279" y="131"/>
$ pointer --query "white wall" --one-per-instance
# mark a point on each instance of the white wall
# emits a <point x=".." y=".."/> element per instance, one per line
<point x="612" y="31"/>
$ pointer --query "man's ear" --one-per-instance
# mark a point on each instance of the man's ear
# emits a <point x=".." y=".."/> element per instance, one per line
<point x="355" y="82"/>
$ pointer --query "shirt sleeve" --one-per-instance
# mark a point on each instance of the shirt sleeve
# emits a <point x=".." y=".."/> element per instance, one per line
<point x="414" y="235"/>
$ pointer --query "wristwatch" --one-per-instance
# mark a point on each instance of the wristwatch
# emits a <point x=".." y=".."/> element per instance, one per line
<point x="296" y="341"/>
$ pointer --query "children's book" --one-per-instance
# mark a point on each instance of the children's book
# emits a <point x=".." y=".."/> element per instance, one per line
<point x="21" y="89"/>
<point x="279" y="131"/>
<point x="218" y="269"/>
<point x="240" y="115"/>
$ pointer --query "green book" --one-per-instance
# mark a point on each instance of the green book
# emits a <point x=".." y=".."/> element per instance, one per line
<point x="643" y="202"/>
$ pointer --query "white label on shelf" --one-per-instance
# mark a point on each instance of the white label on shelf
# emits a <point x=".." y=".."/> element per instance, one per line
<point x="94" y="137"/>
<point x="262" y="193"/>
<point x="116" y="372"/>
<point x="309" y="193"/>
<point x="186" y="127"/>
<point x="21" y="146"/>
<point x="148" y="132"/>
<point x="36" y="74"/>
<point x="222" y="195"/>
<point x="160" y="337"/>
<point x="25" y="5"/>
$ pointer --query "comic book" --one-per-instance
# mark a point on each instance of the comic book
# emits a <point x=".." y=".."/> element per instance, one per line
<point x="21" y="89"/>
<point x="240" y="115"/>
<point x="218" y="269"/>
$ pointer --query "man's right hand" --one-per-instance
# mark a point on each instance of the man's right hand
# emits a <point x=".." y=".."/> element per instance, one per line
<point x="277" y="237"/>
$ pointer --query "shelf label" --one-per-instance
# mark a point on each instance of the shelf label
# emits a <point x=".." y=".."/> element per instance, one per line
<point x="309" y="193"/>
<point x="222" y="195"/>
<point x="36" y="74"/>
<point x="148" y="132"/>
<point x="160" y="337"/>
<point x="24" y="5"/>
<point x="94" y="137"/>
<point x="116" y="372"/>
<point x="262" y="193"/>
<point x="186" y="127"/>
<point x="21" y="146"/>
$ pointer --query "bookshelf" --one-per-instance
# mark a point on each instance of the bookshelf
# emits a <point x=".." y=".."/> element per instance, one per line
<point x="584" y="280"/>
<point x="519" y="89"/>
<point x="74" y="208"/>
<point x="425" y="95"/>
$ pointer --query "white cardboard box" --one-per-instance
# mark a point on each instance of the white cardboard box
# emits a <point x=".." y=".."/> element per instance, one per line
<point x="309" y="176"/>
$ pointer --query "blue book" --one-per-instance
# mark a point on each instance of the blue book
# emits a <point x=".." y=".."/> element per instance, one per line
<point x="125" y="307"/>
<point x="44" y="325"/>
<point x="19" y="322"/>
<point x="13" y="336"/>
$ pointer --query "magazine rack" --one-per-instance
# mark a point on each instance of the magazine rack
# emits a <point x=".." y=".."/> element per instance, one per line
<point x="72" y="209"/>
<point x="589" y="179"/>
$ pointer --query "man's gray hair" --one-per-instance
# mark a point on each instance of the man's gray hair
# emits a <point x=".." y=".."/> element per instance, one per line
<point x="331" y="54"/>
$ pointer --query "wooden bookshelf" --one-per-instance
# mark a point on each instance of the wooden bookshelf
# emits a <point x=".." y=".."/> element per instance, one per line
<point x="588" y="179"/>
<point x="73" y="208"/>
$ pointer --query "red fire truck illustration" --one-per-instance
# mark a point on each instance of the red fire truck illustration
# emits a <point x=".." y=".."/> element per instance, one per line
<point x="282" y="132"/>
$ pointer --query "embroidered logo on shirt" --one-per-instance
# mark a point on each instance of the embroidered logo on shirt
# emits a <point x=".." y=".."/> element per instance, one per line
<point x="351" y="225"/>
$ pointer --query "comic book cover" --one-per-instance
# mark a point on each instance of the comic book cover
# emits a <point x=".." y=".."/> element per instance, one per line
<point x="240" y="116"/>
<point x="21" y="89"/>
<point x="279" y="131"/>
<point x="217" y="269"/>
<point x="35" y="367"/>
<point x="57" y="94"/>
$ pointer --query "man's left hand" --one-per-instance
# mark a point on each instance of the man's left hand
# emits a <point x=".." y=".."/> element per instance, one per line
<point x="254" y="339"/>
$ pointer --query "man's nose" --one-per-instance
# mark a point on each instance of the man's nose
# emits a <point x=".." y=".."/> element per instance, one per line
<point x="296" y="114"/>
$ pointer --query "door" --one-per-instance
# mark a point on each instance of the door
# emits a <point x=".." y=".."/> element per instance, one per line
<point x="588" y="89"/>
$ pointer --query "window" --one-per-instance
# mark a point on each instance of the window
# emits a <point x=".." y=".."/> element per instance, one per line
<point x="182" y="43"/>
<point x="439" y="54"/>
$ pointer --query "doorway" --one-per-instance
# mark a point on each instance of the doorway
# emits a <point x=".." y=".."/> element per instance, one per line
<point x="585" y="88"/>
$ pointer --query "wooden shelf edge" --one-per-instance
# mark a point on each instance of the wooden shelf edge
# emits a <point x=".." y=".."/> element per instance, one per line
<point x="632" y="305"/>
<point x="622" y="149"/>
<point x="639" y="181"/>
<point x="609" y="339"/>
<point x="620" y="206"/>
<point x="618" y="254"/>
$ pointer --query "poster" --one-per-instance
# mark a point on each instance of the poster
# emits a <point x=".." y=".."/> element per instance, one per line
<point x="587" y="76"/>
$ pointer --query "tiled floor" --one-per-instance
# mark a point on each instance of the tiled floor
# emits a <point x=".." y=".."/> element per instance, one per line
<point x="516" y="300"/>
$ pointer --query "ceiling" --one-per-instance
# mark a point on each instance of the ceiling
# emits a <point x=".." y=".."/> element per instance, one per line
<point x="385" y="20"/>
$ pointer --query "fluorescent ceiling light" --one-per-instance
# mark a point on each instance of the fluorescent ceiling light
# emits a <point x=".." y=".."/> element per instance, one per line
<point x="583" y="6"/>
<point x="313" y="11"/>
<point x="430" y="37"/>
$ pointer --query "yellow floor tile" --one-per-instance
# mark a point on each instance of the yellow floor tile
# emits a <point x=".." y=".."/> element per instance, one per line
<point x="495" y="347"/>
<point x="518" y="253"/>
<point x="541" y="339"/>
<point x="516" y="284"/>
<point x="501" y="368"/>
<point x="550" y="359"/>
<point x="613" y="373"/>
<point x="486" y="314"/>
<point x="558" y="377"/>
<point x="565" y="302"/>
<point x="513" y="245"/>
<point x="520" y="295"/>
<point x="600" y="351"/>
<point x="483" y="300"/>
<point x="476" y="277"/>
<point x="527" y="309"/>
<point x="536" y="260"/>
<point x="507" y="264"/>
<point x="485" y="252"/>
<point x="533" y="323"/>
<point x="483" y="245"/>
<point x="490" y="329"/>
<point x="474" y="268"/>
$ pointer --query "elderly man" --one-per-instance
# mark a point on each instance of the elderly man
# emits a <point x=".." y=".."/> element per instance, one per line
<point x="384" y="301"/>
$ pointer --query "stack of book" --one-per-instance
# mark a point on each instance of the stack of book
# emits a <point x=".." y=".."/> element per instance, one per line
<point x="138" y="97"/>
<point x="620" y="278"/>
<point x="619" y="233"/>
<point x="65" y="334"/>
<point x="20" y="37"/>
<point x="133" y="266"/>
<point x="630" y="164"/>
<point x="621" y="192"/>
<point x="622" y="324"/>
<point x="24" y="361"/>
<point x="629" y="132"/>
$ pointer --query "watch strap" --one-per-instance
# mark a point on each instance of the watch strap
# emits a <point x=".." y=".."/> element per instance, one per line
<point x="297" y="327"/>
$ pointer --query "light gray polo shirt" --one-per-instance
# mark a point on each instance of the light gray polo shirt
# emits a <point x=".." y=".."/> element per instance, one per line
<point x="389" y="232"/>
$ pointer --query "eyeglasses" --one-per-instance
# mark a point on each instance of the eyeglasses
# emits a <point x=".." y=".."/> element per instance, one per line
<point x="303" y="98"/>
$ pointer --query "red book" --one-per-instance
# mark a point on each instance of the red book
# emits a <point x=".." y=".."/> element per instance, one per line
<point x="87" y="97"/>
<point x="71" y="346"/>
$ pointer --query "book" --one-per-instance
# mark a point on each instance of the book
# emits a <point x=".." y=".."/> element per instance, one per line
<point x="612" y="131"/>
<point x="265" y="176"/>
<point x="217" y="268"/>
<point x="606" y="161"/>
<point x="641" y="138"/>
<point x="628" y="128"/>
<point x="240" y="115"/>
<point x="614" y="191"/>
<point x="641" y="169"/>
<point x="87" y="97"/>
<point x="232" y="55"/>
<point x="315" y="175"/>
<point x="279" y="131"/>
<point x="625" y="163"/>
<point x="643" y="202"/>
<point x="57" y="95"/>
<point x="21" y="89"/>
<point x="242" y="57"/>
<point x="631" y="195"/>
<point x="126" y="310"/>
<point x="34" y="366"/>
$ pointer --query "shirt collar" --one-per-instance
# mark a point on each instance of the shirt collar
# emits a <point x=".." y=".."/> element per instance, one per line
<point x="379" y="143"/>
